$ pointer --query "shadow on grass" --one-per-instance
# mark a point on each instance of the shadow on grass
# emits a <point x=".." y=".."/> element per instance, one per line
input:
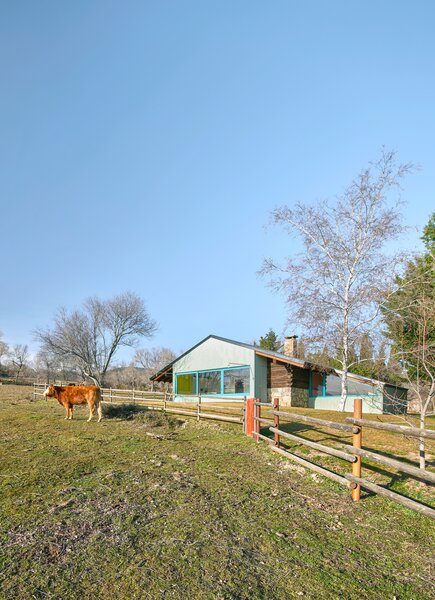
<point x="140" y="414"/>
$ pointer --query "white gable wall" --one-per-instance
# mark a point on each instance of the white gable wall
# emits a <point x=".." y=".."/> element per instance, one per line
<point x="217" y="354"/>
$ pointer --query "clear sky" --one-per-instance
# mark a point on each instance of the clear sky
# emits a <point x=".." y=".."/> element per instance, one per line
<point x="143" y="145"/>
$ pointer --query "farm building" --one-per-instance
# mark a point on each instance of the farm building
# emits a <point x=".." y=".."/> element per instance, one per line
<point x="221" y="367"/>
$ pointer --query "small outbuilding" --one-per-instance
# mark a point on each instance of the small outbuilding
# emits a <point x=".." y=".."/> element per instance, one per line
<point x="229" y="369"/>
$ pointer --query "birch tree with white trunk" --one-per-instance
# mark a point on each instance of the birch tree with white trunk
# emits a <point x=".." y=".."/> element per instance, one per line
<point x="335" y="286"/>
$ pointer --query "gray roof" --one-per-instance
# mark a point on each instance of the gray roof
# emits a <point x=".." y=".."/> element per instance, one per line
<point x="276" y="355"/>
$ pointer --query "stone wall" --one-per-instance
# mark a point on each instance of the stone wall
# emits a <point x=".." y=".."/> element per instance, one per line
<point x="284" y="395"/>
<point x="299" y="397"/>
<point x="289" y="396"/>
<point x="287" y="383"/>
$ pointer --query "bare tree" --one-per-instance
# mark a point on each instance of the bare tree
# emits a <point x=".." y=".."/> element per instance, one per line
<point x="127" y="376"/>
<point x="4" y="349"/>
<point x="89" y="338"/>
<point x="20" y="357"/>
<point x="153" y="359"/>
<point x="419" y="364"/>
<point x="335" y="287"/>
<point x="47" y="365"/>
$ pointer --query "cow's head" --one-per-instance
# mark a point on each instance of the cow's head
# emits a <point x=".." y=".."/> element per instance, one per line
<point x="49" y="392"/>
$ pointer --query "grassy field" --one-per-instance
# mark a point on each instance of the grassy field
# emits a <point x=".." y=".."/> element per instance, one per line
<point x="147" y="506"/>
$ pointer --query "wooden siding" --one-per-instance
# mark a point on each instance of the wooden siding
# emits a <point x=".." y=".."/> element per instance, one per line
<point x="280" y="375"/>
<point x="301" y="378"/>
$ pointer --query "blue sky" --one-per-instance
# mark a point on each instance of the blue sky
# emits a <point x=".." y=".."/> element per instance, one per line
<point x="143" y="145"/>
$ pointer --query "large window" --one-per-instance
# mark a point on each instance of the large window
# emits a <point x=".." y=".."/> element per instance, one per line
<point x="186" y="384"/>
<point x="209" y="382"/>
<point x="333" y="385"/>
<point x="236" y="381"/>
<point x="354" y="388"/>
<point x="229" y="381"/>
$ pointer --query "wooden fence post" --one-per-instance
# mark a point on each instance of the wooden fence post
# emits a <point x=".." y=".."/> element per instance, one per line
<point x="198" y="408"/>
<point x="276" y="420"/>
<point x="110" y="395"/>
<point x="164" y="403"/>
<point x="249" y="417"/>
<point x="257" y="412"/>
<point x="357" y="441"/>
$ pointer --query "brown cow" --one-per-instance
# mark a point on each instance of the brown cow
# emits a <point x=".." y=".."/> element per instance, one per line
<point x="67" y="396"/>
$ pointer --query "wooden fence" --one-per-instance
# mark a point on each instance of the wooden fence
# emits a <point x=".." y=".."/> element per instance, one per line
<point x="218" y="408"/>
<point x="350" y="454"/>
<point x="248" y="413"/>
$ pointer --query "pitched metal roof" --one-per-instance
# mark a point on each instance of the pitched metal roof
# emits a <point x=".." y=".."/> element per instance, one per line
<point x="257" y="349"/>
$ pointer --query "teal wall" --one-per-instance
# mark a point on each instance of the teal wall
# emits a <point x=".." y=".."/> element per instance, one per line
<point x="371" y="404"/>
<point x="261" y="378"/>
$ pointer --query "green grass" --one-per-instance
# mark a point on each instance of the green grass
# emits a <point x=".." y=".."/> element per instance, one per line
<point x="192" y="511"/>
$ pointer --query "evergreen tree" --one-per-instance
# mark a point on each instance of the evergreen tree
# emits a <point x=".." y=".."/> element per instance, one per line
<point x="380" y="364"/>
<point x="365" y="364"/>
<point x="410" y="318"/>
<point x="270" y="341"/>
<point x="415" y="293"/>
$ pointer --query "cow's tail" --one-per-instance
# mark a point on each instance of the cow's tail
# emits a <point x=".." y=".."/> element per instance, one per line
<point x="99" y="404"/>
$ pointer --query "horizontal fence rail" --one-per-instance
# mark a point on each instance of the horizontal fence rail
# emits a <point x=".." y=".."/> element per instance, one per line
<point x="315" y="445"/>
<point x="408" y="502"/>
<point x="164" y="402"/>
<point x="350" y="453"/>
<point x="403" y="429"/>
<point x="422" y="474"/>
<point x="313" y="467"/>
<point x="314" y="421"/>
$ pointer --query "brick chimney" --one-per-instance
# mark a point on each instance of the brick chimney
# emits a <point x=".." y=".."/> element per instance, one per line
<point x="290" y="345"/>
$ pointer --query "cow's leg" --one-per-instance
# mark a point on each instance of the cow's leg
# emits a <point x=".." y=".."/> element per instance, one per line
<point x="71" y="412"/>
<point x="99" y="411"/>
<point x="66" y="407"/>
<point x="91" y="411"/>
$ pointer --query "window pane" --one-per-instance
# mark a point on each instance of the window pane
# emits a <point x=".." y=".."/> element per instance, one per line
<point x="333" y="385"/>
<point x="236" y="381"/>
<point x="355" y="387"/>
<point x="210" y="382"/>
<point x="186" y="384"/>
